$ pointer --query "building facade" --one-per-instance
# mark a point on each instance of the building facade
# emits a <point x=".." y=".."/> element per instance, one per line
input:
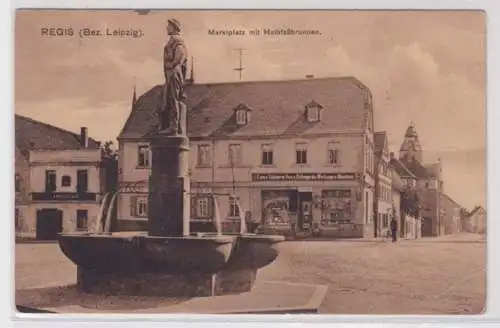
<point x="289" y="156"/>
<point x="427" y="180"/>
<point x="384" y="207"/>
<point x="475" y="221"/>
<point x="58" y="178"/>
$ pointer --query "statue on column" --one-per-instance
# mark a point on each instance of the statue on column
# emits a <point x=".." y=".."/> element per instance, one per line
<point x="175" y="70"/>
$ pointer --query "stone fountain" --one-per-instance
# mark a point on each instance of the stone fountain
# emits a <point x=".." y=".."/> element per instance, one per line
<point x="169" y="260"/>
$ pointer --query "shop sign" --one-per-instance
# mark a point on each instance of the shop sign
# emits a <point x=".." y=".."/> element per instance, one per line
<point x="303" y="176"/>
<point x="63" y="196"/>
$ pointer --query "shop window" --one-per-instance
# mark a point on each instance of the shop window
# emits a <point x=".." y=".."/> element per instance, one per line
<point x="143" y="156"/>
<point x="204" y="156"/>
<point x="139" y="206"/>
<point x="82" y="218"/>
<point x="301" y="153"/>
<point x="234" y="207"/>
<point x="267" y="154"/>
<point x="234" y="154"/>
<point x="66" y="181"/>
<point x="276" y="207"/>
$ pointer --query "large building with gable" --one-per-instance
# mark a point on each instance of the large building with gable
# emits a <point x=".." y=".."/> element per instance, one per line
<point x="296" y="155"/>
<point x="59" y="179"/>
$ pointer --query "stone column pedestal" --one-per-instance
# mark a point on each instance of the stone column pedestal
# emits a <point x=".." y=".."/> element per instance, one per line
<point x="169" y="187"/>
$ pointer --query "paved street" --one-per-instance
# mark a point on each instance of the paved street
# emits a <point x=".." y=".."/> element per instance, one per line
<point x="443" y="275"/>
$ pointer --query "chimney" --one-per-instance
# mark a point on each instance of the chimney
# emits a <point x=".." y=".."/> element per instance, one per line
<point x="84" y="137"/>
<point x="309" y="76"/>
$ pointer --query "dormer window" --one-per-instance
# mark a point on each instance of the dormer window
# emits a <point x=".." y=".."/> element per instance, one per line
<point x="242" y="114"/>
<point x="313" y="111"/>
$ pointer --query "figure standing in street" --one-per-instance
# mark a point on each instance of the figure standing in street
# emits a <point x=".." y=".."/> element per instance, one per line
<point x="394" y="228"/>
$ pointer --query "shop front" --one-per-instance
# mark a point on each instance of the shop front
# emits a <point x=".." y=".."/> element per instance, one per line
<point x="313" y="208"/>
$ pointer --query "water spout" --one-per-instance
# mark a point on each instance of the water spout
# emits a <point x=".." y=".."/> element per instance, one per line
<point x="243" y="225"/>
<point x="216" y="217"/>
<point x="99" y="224"/>
<point x="111" y="207"/>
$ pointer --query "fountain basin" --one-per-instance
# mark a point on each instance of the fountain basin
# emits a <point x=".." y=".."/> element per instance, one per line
<point x="138" y="264"/>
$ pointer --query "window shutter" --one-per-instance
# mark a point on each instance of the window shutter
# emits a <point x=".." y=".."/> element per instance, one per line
<point x="210" y="206"/>
<point x="133" y="206"/>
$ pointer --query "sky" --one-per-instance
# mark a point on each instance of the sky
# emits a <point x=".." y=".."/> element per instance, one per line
<point x="424" y="67"/>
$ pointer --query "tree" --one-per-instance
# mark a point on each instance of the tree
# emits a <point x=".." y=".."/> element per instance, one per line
<point x="410" y="202"/>
<point x="108" y="151"/>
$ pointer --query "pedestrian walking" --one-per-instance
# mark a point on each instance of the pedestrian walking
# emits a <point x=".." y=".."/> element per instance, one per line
<point x="394" y="229"/>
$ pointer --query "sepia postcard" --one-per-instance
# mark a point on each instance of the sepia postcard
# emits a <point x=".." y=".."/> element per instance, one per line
<point x="250" y="162"/>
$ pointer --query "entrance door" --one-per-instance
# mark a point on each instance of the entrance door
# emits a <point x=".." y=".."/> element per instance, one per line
<point x="48" y="223"/>
<point x="305" y="215"/>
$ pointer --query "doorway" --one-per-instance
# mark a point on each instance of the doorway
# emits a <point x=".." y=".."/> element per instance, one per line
<point x="305" y="211"/>
<point x="48" y="223"/>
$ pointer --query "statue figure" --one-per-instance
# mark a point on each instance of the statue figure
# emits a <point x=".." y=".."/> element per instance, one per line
<point x="175" y="69"/>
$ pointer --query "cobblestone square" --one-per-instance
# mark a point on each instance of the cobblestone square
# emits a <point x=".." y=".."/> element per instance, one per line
<point x="445" y="275"/>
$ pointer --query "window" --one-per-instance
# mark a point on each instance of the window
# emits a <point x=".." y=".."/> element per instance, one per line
<point x="50" y="181"/>
<point x="234" y="208"/>
<point x="386" y="220"/>
<point x="82" y="181"/>
<point x="82" y="220"/>
<point x="427" y="184"/>
<point x="17" y="222"/>
<point x="235" y="154"/>
<point x="241" y="117"/>
<point x="313" y="114"/>
<point x="313" y="111"/>
<point x="66" y="181"/>
<point x="143" y="156"/>
<point x="301" y="153"/>
<point x="17" y="182"/>
<point x="204" y="158"/>
<point x="333" y="153"/>
<point x="267" y="154"/>
<point x="141" y="207"/>
<point x="203" y="207"/>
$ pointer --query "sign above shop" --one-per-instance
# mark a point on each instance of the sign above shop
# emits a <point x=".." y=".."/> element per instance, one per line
<point x="63" y="196"/>
<point x="303" y="176"/>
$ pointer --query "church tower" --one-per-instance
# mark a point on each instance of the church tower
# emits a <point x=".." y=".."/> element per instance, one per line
<point x="411" y="148"/>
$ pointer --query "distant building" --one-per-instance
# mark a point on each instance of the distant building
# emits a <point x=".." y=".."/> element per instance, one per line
<point x="58" y="179"/>
<point x="451" y="214"/>
<point x="409" y="222"/>
<point x="299" y="155"/>
<point x="475" y="221"/>
<point x="437" y="207"/>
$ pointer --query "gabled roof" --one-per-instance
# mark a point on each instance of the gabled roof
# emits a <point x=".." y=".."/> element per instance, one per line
<point x="278" y="108"/>
<point x="476" y="209"/>
<point x="445" y="196"/>
<point x="401" y="169"/>
<point x="31" y="135"/>
<point x="380" y="140"/>
<point x="418" y="169"/>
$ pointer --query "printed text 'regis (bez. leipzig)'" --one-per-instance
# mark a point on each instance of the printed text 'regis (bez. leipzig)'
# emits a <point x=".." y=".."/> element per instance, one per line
<point x="87" y="32"/>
